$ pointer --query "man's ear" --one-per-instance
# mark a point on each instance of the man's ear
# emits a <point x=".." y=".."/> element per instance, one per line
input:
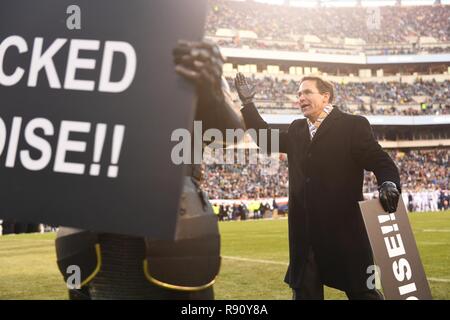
<point x="326" y="97"/>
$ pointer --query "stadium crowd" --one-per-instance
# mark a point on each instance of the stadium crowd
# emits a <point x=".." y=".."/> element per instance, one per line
<point x="364" y="94"/>
<point x="391" y="25"/>
<point x="242" y="211"/>
<point x="424" y="173"/>
<point x="327" y="48"/>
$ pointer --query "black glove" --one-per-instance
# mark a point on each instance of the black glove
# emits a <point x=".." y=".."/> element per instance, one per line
<point x="245" y="91"/>
<point x="200" y="62"/>
<point x="389" y="196"/>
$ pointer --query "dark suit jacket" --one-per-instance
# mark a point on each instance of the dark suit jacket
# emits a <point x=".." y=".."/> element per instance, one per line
<point x="325" y="185"/>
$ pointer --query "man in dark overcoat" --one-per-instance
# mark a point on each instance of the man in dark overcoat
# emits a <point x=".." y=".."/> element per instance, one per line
<point x="328" y="152"/>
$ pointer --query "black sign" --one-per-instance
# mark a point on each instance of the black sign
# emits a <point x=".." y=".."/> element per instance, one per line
<point x="89" y="100"/>
<point x="395" y="252"/>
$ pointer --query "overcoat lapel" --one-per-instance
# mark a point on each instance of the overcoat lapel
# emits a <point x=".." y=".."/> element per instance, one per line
<point x="326" y="125"/>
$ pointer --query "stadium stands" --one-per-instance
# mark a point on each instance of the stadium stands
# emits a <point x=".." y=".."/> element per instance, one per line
<point x="386" y="90"/>
<point x="384" y="30"/>
<point x="367" y="98"/>
<point x="420" y="170"/>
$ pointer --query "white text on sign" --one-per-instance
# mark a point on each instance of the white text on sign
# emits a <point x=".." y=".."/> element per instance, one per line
<point x="64" y="145"/>
<point x="42" y="61"/>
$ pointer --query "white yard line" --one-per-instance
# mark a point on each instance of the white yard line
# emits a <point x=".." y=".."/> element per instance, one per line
<point x="439" y="280"/>
<point x="13" y="238"/>
<point x="256" y="260"/>
<point x="436" y="243"/>
<point x="285" y="264"/>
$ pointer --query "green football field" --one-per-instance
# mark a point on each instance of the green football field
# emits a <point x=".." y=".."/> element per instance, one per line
<point x="255" y="255"/>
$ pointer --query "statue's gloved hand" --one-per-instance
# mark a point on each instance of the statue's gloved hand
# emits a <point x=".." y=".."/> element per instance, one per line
<point x="389" y="195"/>
<point x="245" y="91"/>
<point x="200" y="62"/>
